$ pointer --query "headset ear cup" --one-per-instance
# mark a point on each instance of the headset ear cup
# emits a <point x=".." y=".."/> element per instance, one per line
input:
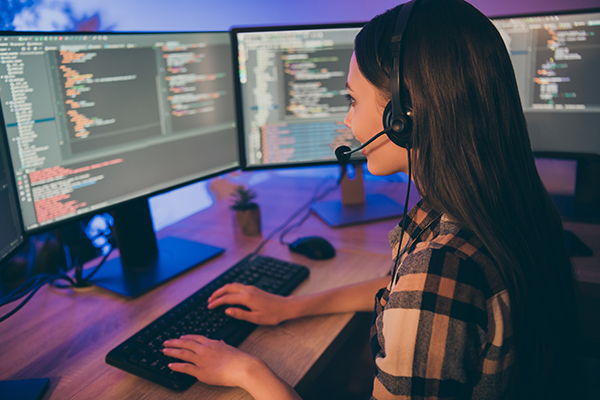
<point x="388" y="115"/>
<point x="400" y="138"/>
<point x="403" y="137"/>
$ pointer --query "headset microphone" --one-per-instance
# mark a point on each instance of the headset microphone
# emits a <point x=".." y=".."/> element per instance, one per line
<point x="343" y="153"/>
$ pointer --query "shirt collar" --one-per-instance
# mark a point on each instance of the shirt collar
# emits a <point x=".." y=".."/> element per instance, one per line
<point x="422" y="220"/>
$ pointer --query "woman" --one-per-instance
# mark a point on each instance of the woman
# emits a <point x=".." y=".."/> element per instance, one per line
<point x="483" y="302"/>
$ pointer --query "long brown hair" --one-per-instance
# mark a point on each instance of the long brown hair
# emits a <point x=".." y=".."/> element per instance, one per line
<point x="473" y="160"/>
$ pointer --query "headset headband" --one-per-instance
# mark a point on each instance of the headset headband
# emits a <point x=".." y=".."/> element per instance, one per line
<point x="396" y="46"/>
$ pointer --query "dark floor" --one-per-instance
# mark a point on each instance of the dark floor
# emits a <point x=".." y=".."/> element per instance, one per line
<point x="349" y="375"/>
<point x="591" y="367"/>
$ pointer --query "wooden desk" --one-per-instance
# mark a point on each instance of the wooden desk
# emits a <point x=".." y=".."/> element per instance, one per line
<point x="64" y="335"/>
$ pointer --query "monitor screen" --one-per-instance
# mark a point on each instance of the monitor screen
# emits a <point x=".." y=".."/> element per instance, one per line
<point x="11" y="229"/>
<point x="292" y="93"/>
<point x="557" y="62"/>
<point x="95" y="120"/>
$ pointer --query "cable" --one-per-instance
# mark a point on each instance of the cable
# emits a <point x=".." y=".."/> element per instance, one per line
<point x="23" y="289"/>
<point x="26" y="287"/>
<point x="300" y="210"/>
<point x="34" y="283"/>
<point x="87" y="278"/>
<point x="404" y="221"/>
<point x="401" y="250"/>
<point x="307" y="214"/>
<point x="80" y="281"/>
<point x="33" y="291"/>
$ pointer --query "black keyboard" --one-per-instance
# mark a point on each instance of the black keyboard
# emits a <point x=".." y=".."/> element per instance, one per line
<point x="142" y="354"/>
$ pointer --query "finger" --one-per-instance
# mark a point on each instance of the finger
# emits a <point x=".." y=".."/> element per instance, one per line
<point x="233" y="298"/>
<point x="181" y="343"/>
<point x="180" y="354"/>
<point x="196" y="338"/>
<point x="239" y="313"/>
<point x="185" y="368"/>
<point x="229" y="288"/>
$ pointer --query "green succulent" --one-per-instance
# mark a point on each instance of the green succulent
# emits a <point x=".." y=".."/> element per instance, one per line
<point x="243" y="198"/>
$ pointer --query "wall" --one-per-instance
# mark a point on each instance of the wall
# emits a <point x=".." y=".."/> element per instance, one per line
<point x="193" y="15"/>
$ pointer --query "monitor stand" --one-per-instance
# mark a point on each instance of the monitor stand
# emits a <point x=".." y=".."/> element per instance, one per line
<point x="356" y="207"/>
<point x="144" y="261"/>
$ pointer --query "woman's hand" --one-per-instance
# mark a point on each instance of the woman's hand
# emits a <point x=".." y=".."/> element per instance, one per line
<point x="211" y="361"/>
<point x="261" y="308"/>
<point x="216" y="363"/>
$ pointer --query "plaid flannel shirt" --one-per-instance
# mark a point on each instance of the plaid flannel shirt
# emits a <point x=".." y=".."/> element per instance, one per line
<point x="443" y="329"/>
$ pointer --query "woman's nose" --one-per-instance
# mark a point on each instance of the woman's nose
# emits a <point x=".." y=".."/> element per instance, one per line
<point x="348" y="120"/>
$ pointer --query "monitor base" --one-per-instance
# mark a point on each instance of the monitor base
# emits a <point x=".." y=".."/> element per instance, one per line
<point x="376" y="207"/>
<point x="175" y="256"/>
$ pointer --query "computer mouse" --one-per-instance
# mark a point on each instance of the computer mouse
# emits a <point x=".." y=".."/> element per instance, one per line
<point x="313" y="247"/>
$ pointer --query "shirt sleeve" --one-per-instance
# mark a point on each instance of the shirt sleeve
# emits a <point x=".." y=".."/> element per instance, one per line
<point x="432" y="329"/>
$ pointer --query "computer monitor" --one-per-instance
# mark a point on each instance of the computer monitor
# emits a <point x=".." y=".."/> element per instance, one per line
<point x="556" y="58"/>
<point x="292" y="104"/>
<point x="99" y="121"/>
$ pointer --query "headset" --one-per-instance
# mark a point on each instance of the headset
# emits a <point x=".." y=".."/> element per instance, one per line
<point x="397" y="121"/>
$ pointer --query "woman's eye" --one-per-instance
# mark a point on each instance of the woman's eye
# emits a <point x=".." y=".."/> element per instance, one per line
<point x="350" y="99"/>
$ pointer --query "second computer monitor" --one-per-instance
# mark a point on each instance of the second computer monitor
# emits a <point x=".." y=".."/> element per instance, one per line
<point x="556" y="58"/>
<point x="292" y="93"/>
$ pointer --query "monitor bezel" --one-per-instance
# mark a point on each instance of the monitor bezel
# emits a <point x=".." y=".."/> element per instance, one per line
<point x="12" y="181"/>
<point x="146" y="196"/>
<point x="238" y="87"/>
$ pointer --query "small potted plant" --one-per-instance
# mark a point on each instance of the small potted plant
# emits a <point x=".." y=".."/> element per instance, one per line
<point x="247" y="213"/>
